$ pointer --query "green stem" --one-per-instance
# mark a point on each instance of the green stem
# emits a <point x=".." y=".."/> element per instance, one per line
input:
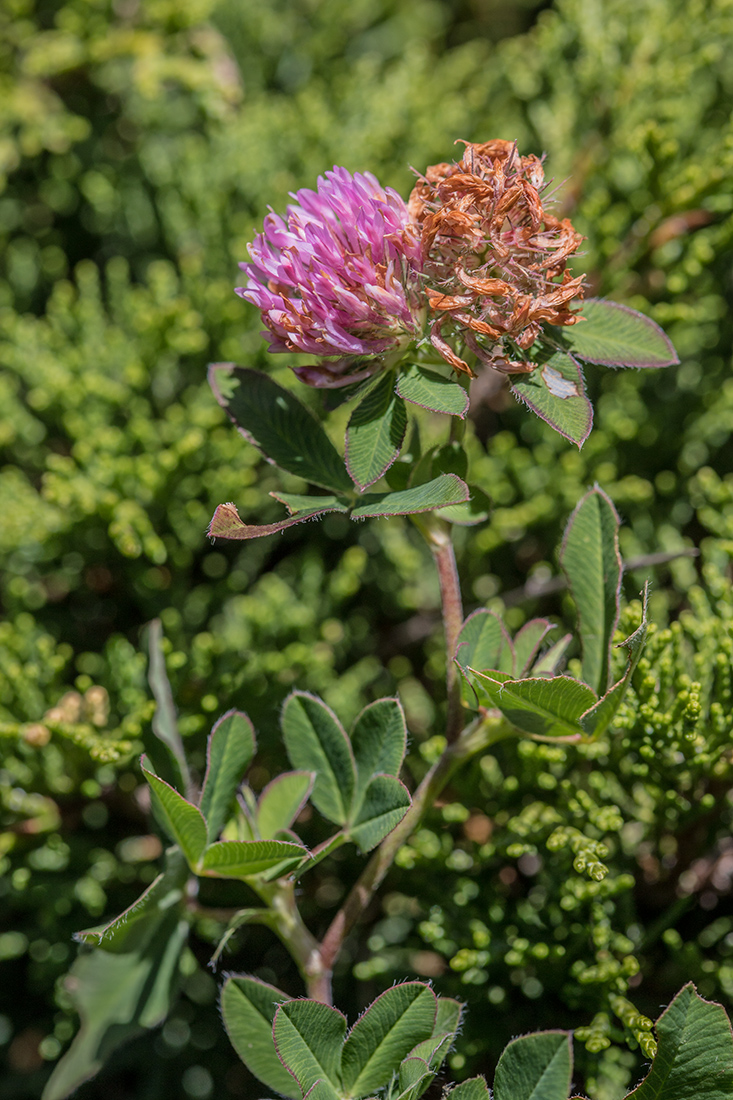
<point x="458" y="424"/>
<point x="287" y="923"/>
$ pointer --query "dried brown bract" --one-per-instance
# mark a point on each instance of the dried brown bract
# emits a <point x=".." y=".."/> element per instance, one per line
<point x="494" y="258"/>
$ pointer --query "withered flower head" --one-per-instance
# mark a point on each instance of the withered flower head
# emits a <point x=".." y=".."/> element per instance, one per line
<point x="494" y="260"/>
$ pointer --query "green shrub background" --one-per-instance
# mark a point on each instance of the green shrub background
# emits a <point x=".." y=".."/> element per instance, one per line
<point x="140" y="146"/>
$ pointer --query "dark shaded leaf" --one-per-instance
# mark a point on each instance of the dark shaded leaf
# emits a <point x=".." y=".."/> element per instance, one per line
<point x="597" y="720"/>
<point x="165" y="725"/>
<point x="128" y="986"/>
<point x="248" y="1008"/>
<point x="277" y="424"/>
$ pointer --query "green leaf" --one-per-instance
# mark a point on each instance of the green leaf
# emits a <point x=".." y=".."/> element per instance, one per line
<point x="432" y="391"/>
<point x="547" y="664"/>
<point x="415" y="1075"/>
<point x="399" y="1019"/>
<point x="281" y="802"/>
<point x="226" y="522"/>
<point x="165" y="725"/>
<point x="433" y="1050"/>
<point x="474" y="511"/>
<point x="375" y="432"/>
<point x="277" y="424"/>
<point x="475" y="1088"/>
<point x="183" y="821"/>
<point x="248" y="1008"/>
<point x="309" y="1037"/>
<point x="322" y="1090"/>
<point x="378" y="741"/>
<point x="315" y="741"/>
<point x="540" y="707"/>
<point x="438" y="493"/>
<point x="526" y="643"/>
<point x="597" y="720"/>
<point x="386" y="802"/>
<point x="450" y="458"/>
<point x="244" y="858"/>
<point x="535" y="1067"/>
<point x="695" y="1056"/>
<point x="164" y="891"/>
<point x="556" y="392"/>
<point x="296" y="503"/>
<point x="229" y="750"/>
<point x="484" y="643"/>
<point x="128" y="986"/>
<point x="617" y="336"/>
<point x="592" y="563"/>
<point x="448" y="1017"/>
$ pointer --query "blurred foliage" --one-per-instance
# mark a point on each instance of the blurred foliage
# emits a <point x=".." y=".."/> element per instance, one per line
<point x="140" y="145"/>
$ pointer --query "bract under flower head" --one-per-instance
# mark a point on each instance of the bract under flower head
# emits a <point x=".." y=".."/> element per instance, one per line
<point x="338" y="277"/>
<point x="494" y="259"/>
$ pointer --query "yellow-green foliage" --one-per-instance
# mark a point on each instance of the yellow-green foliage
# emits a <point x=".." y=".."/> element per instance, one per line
<point x="140" y="145"/>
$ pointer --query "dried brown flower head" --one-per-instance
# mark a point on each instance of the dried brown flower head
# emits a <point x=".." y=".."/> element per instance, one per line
<point x="494" y="259"/>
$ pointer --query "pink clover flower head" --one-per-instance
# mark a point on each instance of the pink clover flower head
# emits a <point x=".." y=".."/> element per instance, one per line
<point x="339" y="276"/>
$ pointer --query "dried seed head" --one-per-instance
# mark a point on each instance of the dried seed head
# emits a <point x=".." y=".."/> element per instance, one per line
<point x="494" y="259"/>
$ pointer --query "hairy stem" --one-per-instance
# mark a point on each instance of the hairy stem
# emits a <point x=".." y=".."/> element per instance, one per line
<point x="287" y="923"/>
<point x="441" y="547"/>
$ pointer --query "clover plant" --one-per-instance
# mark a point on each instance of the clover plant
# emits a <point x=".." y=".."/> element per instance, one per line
<point x="391" y="309"/>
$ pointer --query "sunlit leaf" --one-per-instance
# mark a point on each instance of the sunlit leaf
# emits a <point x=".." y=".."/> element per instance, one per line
<point x="309" y="1037"/>
<point x="385" y="803"/>
<point x="316" y="741"/>
<point x="229" y="750"/>
<point x="540" y="707"/>
<point x="694" y="1060"/>
<point x="432" y="391"/>
<point x="183" y="821"/>
<point x="617" y="336"/>
<point x="556" y="392"/>
<point x="438" y="493"/>
<point x="389" y="1029"/>
<point x="534" y="1067"/>
<point x="591" y="561"/>
<point x="375" y="432"/>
